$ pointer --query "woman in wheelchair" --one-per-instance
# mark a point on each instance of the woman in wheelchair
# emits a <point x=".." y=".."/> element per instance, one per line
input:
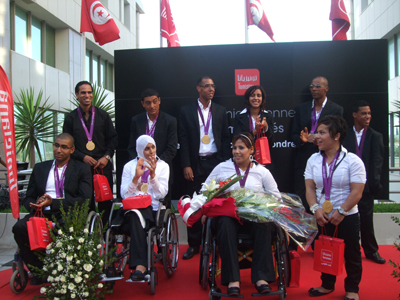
<point x="146" y="174"/>
<point x="258" y="179"/>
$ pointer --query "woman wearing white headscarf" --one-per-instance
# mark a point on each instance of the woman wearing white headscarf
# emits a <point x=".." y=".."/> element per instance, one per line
<point x="146" y="174"/>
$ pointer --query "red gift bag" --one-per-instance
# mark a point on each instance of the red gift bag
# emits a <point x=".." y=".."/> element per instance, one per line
<point x="295" y="269"/>
<point x="329" y="254"/>
<point x="102" y="190"/>
<point x="38" y="232"/>
<point x="135" y="202"/>
<point x="262" y="154"/>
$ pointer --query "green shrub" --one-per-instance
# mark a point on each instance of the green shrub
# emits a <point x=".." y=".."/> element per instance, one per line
<point x="387" y="208"/>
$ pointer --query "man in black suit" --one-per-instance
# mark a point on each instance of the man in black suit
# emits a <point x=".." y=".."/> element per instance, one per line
<point x="204" y="142"/>
<point x="368" y="145"/>
<point x="46" y="190"/>
<point x="304" y="126"/>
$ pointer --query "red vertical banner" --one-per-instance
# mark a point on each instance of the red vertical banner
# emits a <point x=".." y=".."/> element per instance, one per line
<point x="167" y="25"/>
<point x="7" y="125"/>
<point x="340" y="20"/>
<point x="256" y="16"/>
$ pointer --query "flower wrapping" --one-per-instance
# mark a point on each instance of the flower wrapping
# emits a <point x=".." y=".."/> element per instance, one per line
<point x="189" y="209"/>
<point x="221" y="207"/>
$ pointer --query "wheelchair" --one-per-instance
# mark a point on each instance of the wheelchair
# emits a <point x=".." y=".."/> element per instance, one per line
<point x="209" y="261"/>
<point x="164" y="234"/>
<point x="20" y="275"/>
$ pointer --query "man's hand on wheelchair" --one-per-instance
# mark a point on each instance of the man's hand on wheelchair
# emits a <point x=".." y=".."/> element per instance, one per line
<point x="43" y="201"/>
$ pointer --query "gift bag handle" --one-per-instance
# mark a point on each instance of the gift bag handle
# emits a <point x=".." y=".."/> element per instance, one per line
<point x="96" y="171"/>
<point x="39" y="212"/>
<point x="260" y="132"/>
<point x="335" y="233"/>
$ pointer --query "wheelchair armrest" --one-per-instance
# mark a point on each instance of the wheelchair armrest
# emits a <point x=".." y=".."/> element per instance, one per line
<point x="116" y="202"/>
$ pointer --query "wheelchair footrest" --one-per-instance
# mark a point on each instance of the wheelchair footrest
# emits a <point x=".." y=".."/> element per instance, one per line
<point x="146" y="279"/>
<point x="103" y="277"/>
<point x="267" y="294"/>
<point x="216" y="294"/>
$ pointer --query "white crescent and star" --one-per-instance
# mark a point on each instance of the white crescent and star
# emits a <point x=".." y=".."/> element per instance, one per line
<point x="257" y="11"/>
<point x="99" y="14"/>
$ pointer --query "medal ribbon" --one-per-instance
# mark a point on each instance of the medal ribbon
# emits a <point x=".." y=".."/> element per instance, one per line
<point x="59" y="183"/>
<point x="251" y="126"/>
<point x="243" y="180"/>
<point x="314" y="119"/>
<point x="206" y="126"/>
<point x="89" y="135"/>
<point x="150" y="131"/>
<point x="145" y="176"/>
<point x="328" y="181"/>
<point x="359" y="149"/>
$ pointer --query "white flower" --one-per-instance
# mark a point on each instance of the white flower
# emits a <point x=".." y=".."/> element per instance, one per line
<point x="79" y="273"/>
<point x="79" y="247"/>
<point x="75" y="255"/>
<point x="73" y="296"/>
<point x="212" y="186"/>
<point x="51" y="251"/>
<point x="59" y="245"/>
<point x="86" y="276"/>
<point x="57" y="279"/>
<point x="85" y="294"/>
<point x="78" y="279"/>
<point x="62" y="278"/>
<point x="100" y="285"/>
<point x="81" y="240"/>
<point x="99" y="246"/>
<point x="71" y="286"/>
<point x="60" y="232"/>
<point x="44" y="268"/>
<point x="54" y="272"/>
<point x="86" y="230"/>
<point x="50" y="278"/>
<point x="90" y="253"/>
<point x="63" y="291"/>
<point x="56" y="298"/>
<point x="78" y="262"/>
<point x="60" y="267"/>
<point x="71" y="276"/>
<point x="71" y="238"/>
<point x="43" y="290"/>
<point x="71" y="229"/>
<point x="48" y="247"/>
<point x="62" y="255"/>
<point x="69" y="258"/>
<point x="88" y="267"/>
<point x="101" y="263"/>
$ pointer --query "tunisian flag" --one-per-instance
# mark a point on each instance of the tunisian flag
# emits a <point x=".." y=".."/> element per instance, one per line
<point x="97" y="20"/>
<point x="340" y="20"/>
<point x="7" y="125"/>
<point x="167" y="25"/>
<point x="256" y="16"/>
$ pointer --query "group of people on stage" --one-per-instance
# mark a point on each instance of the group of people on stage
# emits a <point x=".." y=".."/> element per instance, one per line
<point x="335" y="169"/>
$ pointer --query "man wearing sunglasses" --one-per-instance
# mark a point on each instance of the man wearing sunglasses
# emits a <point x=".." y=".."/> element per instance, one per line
<point x="304" y="126"/>
<point x="51" y="181"/>
<point x="204" y="142"/>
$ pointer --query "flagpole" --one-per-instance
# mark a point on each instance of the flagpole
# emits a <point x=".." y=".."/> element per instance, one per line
<point x="246" y="26"/>
<point x="161" y="44"/>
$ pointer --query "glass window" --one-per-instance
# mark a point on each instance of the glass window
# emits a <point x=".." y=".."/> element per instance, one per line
<point x="60" y="120"/>
<point x="110" y="77"/>
<point x="95" y="69"/>
<point x="103" y="82"/>
<point x="398" y="53"/>
<point x="392" y="70"/>
<point x="21" y="32"/>
<point x="50" y="46"/>
<point x="87" y="66"/>
<point x="36" y="39"/>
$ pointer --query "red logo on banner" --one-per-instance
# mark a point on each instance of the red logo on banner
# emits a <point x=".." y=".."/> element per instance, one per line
<point x="245" y="78"/>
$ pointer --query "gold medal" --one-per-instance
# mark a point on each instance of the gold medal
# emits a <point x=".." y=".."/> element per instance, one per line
<point x="145" y="187"/>
<point x="206" y="139"/>
<point x="327" y="206"/>
<point x="90" y="145"/>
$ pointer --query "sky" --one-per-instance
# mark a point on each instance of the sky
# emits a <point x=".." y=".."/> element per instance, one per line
<point x="213" y="22"/>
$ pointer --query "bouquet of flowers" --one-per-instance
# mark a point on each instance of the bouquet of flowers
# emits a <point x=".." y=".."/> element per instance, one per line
<point x="73" y="261"/>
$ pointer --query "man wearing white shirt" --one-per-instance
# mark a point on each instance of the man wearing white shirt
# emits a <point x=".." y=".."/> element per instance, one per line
<point x="368" y="145"/>
<point x="204" y="143"/>
<point x="51" y="181"/>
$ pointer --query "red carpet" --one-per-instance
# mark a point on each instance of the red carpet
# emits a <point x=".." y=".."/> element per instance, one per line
<point x="376" y="283"/>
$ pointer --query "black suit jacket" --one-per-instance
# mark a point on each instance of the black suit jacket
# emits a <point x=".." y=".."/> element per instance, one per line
<point x="78" y="185"/>
<point x="189" y="134"/>
<point x="302" y="119"/>
<point x="165" y="135"/>
<point x="372" y="157"/>
<point x="242" y="125"/>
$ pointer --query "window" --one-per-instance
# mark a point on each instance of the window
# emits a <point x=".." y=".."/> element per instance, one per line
<point x="95" y="69"/>
<point x="99" y="71"/>
<point x="30" y="41"/>
<point x="398" y="54"/>
<point x="103" y="73"/>
<point x="391" y="54"/>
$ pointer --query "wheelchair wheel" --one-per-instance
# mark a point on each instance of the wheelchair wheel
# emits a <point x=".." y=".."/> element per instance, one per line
<point x="151" y="236"/>
<point x="283" y="261"/>
<point x="204" y="271"/>
<point x="152" y="282"/>
<point x="211" y="297"/>
<point x="93" y="224"/>
<point x="170" y="241"/>
<point x="16" y="283"/>
<point x="116" y="253"/>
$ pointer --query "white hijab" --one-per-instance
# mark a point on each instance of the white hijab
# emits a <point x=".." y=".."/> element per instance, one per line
<point x="141" y="144"/>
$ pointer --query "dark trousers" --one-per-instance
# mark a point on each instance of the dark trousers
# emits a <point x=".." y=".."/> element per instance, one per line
<point x="201" y="173"/>
<point x="349" y="231"/>
<point x="104" y="206"/>
<point x="226" y="230"/>
<point x="366" y="210"/>
<point x="138" y="234"/>
<point x="20" y="231"/>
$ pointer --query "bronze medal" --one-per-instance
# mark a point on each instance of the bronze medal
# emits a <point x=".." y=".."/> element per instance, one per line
<point x="90" y="145"/>
<point x="206" y="139"/>
<point x="327" y="206"/>
<point x="145" y="187"/>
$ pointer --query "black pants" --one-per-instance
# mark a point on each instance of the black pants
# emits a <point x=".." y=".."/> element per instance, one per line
<point x="201" y="173"/>
<point x="20" y="231"/>
<point x="366" y="210"/>
<point x="349" y="231"/>
<point x="226" y="230"/>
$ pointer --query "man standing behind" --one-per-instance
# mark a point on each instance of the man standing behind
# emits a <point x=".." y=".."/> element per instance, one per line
<point x="368" y="145"/>
<point x="304" y="128"/>
<point x="95" y="137"/>
<point x="204" y="142"/>
<point x="51" y="181"/>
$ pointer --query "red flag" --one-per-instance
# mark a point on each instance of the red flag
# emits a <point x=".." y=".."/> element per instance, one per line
<point x="97" y="20"/>
<point x="340" y="20"/>
<point x="7" y="124"/>
<point x="167" y="25"/>
<point x="256" y="16"/>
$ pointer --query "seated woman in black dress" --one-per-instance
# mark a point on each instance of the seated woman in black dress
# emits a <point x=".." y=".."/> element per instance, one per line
<point x="258" y="179"/>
